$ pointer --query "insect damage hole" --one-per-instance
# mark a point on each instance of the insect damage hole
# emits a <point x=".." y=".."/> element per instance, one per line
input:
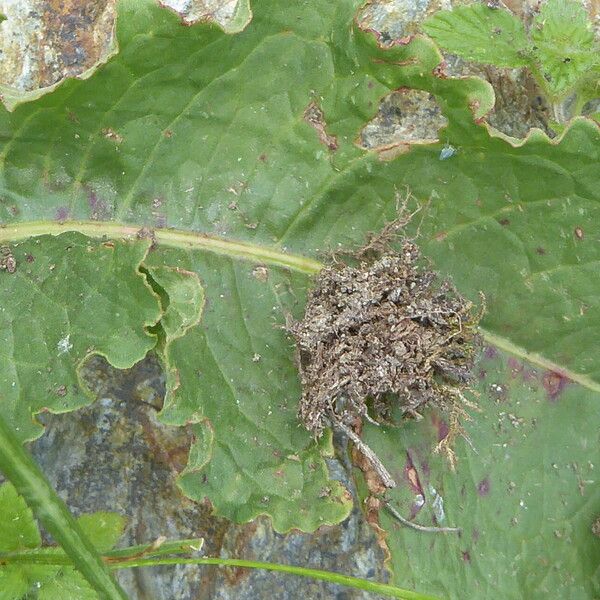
<point x="382" y="337"/>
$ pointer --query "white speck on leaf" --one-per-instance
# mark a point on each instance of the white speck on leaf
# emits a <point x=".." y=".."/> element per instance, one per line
<point x="437" y="505"/>
<point x="447" y="152"/>
<point x="64" y="345"/>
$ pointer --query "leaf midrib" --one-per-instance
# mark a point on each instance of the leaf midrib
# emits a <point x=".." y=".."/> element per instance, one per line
<point x="246" y="251"/>
<point x="175" y="238"/>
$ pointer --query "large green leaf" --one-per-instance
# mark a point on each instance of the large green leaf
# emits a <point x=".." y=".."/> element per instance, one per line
<point x="237" y="156"/>
<point x="525" y="492"/>
<point x="233" y="376"/>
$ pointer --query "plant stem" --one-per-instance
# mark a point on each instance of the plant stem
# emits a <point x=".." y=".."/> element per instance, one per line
<point x="148" y="550"/>
<point x="52" y="555"/>
<point x="362" y="447"/>
<point x="354" y="582"/>
<point x="416" y="526"/>
<point x="29" y="481"/>
<point x="54" y="558"/>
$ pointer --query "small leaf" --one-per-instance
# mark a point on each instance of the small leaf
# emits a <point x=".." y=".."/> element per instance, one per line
<point x="68" y="584"/>
<point x="13" y="583"/>
<point x="482" y="34"/>
<point x="103" y="529"/>
<point x="564" y="44"/>
<point x="18" y="529"/>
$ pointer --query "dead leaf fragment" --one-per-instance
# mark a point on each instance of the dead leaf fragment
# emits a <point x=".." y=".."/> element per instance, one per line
<point x="314" y="116"/>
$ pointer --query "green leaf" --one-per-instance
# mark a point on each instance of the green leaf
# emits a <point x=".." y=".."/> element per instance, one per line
<point x="13" y="584"/>
<point x="67" y="584"/>
<point x="218" y="158"/>
<point x="283" y="473"/>
<point x="19" y="532"/>
<point x="68" y="297"/>
<point x="565" y="46"/>
<point x="250" y="456"/>
<point x="523" y="494"/>
<point x="103" y="528"/>
<point x="479" y="33"/>
<point x="182" y="296"/>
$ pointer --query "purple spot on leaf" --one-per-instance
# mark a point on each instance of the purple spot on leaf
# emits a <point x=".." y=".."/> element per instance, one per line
<point x="99" y="210"/>
<point x="411" y="475"/>
<point x="443" y="430"/>
<point x="490" y="352"/>
<point x="62" y="213"/>
<point x="554" y="383"/>
<point x="483" y="487"/>
<point x="515" y="366"/>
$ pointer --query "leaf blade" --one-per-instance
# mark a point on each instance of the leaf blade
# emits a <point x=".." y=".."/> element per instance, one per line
<point x="565" y="46"/>
<point x="510" y="522"/>
<point x="80" y="298"/>
<point x="482" y="34"/>
<point x="216" y="146"/>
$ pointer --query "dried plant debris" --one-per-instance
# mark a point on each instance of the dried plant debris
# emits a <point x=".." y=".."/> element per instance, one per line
<point x="596" y="527"/>
<point x="381" y="337"/>
<point x="7" y="260"/>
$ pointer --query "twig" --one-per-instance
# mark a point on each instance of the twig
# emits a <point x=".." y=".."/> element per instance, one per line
<point x="383" y="473"/>
<point x="416" y="526"/>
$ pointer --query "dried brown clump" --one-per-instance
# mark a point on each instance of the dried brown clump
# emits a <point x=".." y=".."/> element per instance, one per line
<point x="381" y="335"/>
